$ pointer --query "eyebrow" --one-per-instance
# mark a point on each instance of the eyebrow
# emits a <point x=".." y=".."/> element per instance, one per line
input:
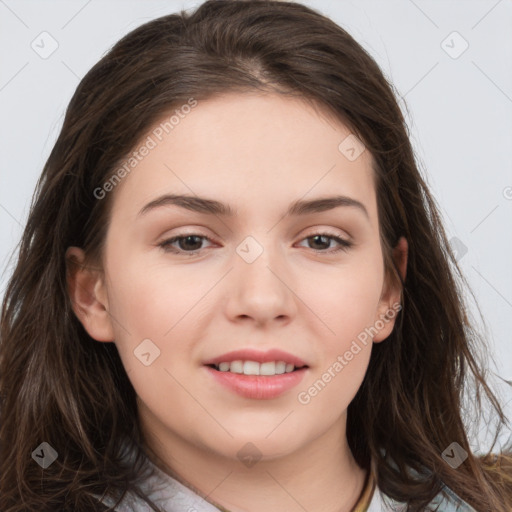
<point x="213" y="207"/>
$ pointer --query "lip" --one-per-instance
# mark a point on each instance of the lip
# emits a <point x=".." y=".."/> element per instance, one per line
<point x="258" y="387"/>
<point x="257" y="356"/>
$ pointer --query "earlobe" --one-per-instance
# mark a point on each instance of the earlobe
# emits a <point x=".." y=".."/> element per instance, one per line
<point x="391" y="299"/>
<point x="87" y="292"/>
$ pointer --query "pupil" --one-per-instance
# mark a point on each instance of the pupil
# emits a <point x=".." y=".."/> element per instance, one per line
<point x="316" y="237"/>
<point x="185" y="240"/>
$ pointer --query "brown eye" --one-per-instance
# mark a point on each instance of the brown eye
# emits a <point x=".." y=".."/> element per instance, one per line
<point x="322" y="241"/>
<point x="186" y="243"/>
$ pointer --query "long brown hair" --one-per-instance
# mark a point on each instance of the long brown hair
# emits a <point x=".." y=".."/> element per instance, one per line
<point x="61" y="387"/>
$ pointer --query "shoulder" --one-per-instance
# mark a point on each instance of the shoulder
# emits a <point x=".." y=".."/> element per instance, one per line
<point x="164" y="491"/>
<point x="446" y="500"/>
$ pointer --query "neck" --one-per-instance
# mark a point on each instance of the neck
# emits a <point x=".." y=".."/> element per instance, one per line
<point x="321" y="476"/>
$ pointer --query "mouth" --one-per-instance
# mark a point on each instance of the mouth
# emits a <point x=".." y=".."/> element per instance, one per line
<point x="248" y="367"/>
<point x="257" y="375"/>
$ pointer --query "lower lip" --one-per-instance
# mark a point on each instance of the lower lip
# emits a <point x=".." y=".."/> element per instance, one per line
<point x="258" y="387"/>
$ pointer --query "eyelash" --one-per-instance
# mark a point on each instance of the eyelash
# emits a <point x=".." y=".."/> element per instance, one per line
<point x="166" y="244"/>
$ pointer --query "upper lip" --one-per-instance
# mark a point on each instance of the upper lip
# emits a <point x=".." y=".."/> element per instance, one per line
<point x="258" y="356"/>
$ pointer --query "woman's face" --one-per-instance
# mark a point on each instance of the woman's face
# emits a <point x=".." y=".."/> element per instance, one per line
<point x="274" y="279"/>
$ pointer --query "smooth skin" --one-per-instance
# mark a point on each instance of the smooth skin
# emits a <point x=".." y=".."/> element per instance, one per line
<point x="257" y="153"/>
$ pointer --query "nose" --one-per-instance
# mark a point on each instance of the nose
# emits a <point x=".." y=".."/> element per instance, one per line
<point x="261" y="291"/>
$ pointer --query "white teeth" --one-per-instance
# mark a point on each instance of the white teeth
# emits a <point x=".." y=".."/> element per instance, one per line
<point x="254" y="368"/>
<point x="268" y="368"/>
<point x="251" y="368"/>
<point x="237" y="366"/>
<point x="280" y="367"/>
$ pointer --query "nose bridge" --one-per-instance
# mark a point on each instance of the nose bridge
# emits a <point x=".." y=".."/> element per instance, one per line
<point x="256" y="258"/>
<point x="260" y="289"/>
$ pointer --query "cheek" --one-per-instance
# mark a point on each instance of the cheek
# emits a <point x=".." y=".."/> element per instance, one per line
<point x="159" y="303"/>
<point x="344" y="299"/>
<point x="343" y="354"/>
<point x="148" y="299"/>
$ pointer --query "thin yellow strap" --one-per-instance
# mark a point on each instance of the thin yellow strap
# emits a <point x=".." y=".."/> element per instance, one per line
<point x="366" y="496"/>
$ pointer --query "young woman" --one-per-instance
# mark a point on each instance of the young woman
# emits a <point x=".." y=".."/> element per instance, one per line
<point x="234" y="291"/>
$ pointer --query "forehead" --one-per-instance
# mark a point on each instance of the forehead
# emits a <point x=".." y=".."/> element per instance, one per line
<point x="243" y="146"/>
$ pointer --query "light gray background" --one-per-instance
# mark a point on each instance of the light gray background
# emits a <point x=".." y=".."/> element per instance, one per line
<point x="459" y="110"/>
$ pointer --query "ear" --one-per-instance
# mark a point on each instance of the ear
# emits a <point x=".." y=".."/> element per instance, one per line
<point x="88" y="294"/>
<point x="390" y="302"/>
